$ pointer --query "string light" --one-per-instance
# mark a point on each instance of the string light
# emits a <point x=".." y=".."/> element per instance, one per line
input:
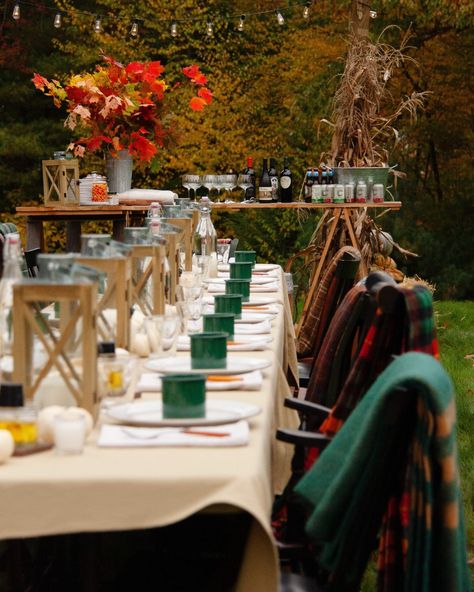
<point x="373" y="14"/>
<point x="98" y="24"/>
<point x="240" y="26"/>
<point x="134" y="29"/>
<point x="280" y="18"/>
<point x="16" y="12"/>
<point x="57" y="20"/>
<point x="306" y="10"/>
<point x="209" y="29"/>
<point x="174" y="29"/>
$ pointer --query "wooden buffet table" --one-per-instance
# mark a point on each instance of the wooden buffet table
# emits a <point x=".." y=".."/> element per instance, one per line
<point x="106" y="489"/>
<point x="121" y="216"/>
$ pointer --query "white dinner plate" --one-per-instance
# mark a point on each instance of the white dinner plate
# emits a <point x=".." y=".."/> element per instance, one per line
<point x="252" y="316"/>
<point x="266" y="266"/>
<point x="257" y="280"/>
<point x="151" y="383"/>
<point x="235" y="365"/>
<point x="150" y="413"/>
<point x="254" y="300"/>
<point x="239" y="343"/>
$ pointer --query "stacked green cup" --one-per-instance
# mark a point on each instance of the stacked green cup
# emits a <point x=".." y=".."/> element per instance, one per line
<point x="245" y="257"/>
<point x="219" y="322"/>
<point x="242" y="287"/>
<point x="208" y="350"/>
<point x="229" y="303"/>
<point x="184" y="395"/>
<point x="241" y="271"/>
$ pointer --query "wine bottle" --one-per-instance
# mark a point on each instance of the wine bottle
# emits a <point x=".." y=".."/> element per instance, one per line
<point x="286" y="186"/>
<point x="250" y="192"/>
<point x="308" y="185"/>
<point x="265" y="185"/>
<point x="272" y="173"/>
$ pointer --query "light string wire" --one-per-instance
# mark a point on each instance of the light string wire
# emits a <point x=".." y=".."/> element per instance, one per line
<point x="288" y="8"/>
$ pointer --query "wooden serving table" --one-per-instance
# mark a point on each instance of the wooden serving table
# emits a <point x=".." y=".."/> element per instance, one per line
<point x="121" y="216"/>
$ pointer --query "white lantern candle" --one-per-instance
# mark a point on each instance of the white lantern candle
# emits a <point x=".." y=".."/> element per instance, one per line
<point x="69" y="432"/>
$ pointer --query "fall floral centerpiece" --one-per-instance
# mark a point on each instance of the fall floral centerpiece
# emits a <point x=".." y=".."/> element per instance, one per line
<point x="121" y="107"/>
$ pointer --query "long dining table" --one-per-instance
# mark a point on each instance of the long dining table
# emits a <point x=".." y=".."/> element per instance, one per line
<point x="111" y="489"/>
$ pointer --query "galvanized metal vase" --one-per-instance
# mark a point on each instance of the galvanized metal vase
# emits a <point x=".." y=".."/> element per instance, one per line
<point x="119" y="172"/>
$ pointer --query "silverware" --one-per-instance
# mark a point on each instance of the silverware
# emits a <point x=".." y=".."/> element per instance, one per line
<point x="139" y="434"/>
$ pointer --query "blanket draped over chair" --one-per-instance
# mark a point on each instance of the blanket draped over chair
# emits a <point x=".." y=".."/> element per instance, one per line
<point x="393" y="468"/>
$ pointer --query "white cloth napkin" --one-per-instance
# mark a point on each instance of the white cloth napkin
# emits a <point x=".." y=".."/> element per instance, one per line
<point x="219" y="287"/>
<point x="116" y="436"/>
<point x="184" y="344"/>
<point x="251" y="381"/>
<point x="163" y="196"/>
<point x="253" y="328"/>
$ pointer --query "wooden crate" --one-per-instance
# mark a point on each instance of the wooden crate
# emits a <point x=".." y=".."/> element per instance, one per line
<point x="61" y="182"/>
<point x="117" y="295"/>
<point x="79" y="299"/>
<point x="149" y="259"/>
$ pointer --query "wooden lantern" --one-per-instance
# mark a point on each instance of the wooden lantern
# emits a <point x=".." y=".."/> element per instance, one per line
<point x="117" y="295"/>
<point x="186" y="238"/>
<point x="77" y="324"/>
<point x="150" y="261"/>
<point x="61" y="182"/>
<point x="172" y="252"/>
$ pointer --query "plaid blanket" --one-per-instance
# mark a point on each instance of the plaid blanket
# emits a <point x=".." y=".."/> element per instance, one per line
<point x="310" y="324"/>
<point x="408" y="463"/>
<point x="390" y="334"/>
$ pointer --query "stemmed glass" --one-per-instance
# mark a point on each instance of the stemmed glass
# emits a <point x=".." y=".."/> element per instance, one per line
<point x="209" y="182"/>
<point x="191" y="182"/>
<point x="229" y="181"/>
<point x="219" y="185"/>
<point x="244" y="182"/>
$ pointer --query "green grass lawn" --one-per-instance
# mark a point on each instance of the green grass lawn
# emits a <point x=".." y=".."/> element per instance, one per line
<point x="456" y="336"/>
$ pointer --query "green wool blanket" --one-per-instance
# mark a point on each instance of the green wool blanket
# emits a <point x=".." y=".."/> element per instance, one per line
<point x="391" y="474"/>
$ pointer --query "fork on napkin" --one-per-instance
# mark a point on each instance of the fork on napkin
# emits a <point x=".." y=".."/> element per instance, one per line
<point x="118" y="436"/>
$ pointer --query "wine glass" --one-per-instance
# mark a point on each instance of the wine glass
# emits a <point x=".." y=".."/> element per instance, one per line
<point x="219" y="185"/>
<point x="191" y="182"/>
<point x="244" y="182"/>
<point x="229" y="181"/>
<point x="223" y="249"/>
<point x="209" y="182"/>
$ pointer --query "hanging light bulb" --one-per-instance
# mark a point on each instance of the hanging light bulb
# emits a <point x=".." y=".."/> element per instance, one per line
<point x="240" y="26"/>
<point x="280" y="18"/>
<point x="209" y="29"/>
<point x="57" y="20"/>
<point x="134" y="29"/>
<point x="306" y="10"/>
<point x="174" y="29"/>
<point x="373" y="14"/>
<point x="16" y="12"/>
<point x="98" y="24"/>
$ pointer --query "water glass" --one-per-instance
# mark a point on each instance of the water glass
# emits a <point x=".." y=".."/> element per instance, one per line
<point x="69" y="428"/>
<point x="223" y="249"/>
<point x="191" y="182"/>
<point x="162" y="332"/>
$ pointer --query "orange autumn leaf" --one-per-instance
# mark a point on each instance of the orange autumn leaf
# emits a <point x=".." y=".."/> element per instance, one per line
<point x="205" y="94"/>
<point x="197" y="104"/>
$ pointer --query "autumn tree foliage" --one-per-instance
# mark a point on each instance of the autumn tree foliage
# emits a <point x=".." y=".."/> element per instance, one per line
<point x="272" y="85"/>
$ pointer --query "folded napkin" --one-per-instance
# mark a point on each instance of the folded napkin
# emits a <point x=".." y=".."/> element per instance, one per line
<point x="253" y="328"/>
<point x="256" y="279"/>
<point x="150" y="382"/>
<point x="219" y="286"/>
<point x="116" y="436"/>
<point x="162" y="196"/>
<point x="250" y="310"/>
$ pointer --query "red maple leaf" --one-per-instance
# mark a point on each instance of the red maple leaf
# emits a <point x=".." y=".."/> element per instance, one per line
<point x="197" y="104"/>
<point x="39" y="81"/>
<point x="205" y="94"/>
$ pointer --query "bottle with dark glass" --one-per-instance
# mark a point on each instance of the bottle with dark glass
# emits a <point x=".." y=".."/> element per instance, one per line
<point x="324" y="177"/>
<point x="265" y="185"/>
<point x="250" y="192"/>
<point x="286" y="183"/>
<point x="272" y="172"/>
<point x="330" y="176"/>
<point x="308" y="185"/>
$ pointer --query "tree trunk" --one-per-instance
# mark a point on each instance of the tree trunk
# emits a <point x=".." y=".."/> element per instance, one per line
<point x="360" y="18"/>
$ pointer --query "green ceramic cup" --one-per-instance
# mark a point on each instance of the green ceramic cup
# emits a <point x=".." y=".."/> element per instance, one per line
<point x="229" y="303"/>
<point x="242" y="287"/>
<point x="208" y="350"/>
<point x="184" y="395"/>
<point x="245" y="257"/>
<point x="241" y="271"/>
<point x="222" y="322"/>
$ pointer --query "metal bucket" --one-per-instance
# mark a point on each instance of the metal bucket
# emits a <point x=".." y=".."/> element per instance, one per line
<point x="119" y="172"/>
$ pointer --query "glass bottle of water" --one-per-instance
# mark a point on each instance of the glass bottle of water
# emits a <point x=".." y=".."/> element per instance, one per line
<point x="11" y="274"/>
<point x="205" y="237"/>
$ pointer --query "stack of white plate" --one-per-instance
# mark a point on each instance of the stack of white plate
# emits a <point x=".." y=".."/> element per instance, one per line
<point x="85" y="186"/>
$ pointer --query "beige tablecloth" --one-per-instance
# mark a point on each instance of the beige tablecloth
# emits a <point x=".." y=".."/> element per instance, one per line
<point x="108" y="489"/>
